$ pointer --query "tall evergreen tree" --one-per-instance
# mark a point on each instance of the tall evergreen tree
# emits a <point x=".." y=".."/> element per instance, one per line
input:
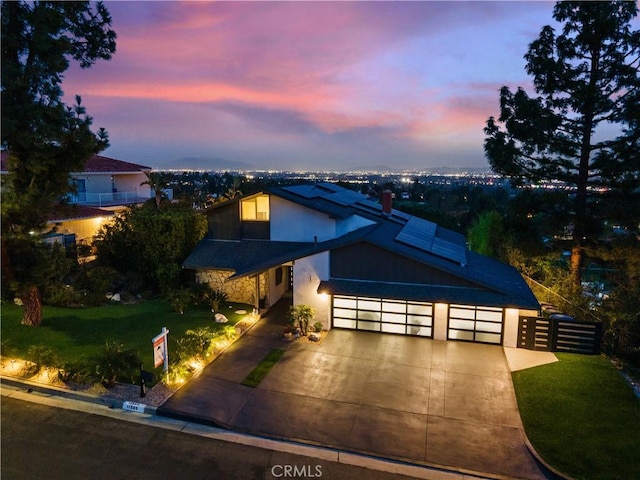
<point x="587" y="83"/>
<point x="45" y="138"/>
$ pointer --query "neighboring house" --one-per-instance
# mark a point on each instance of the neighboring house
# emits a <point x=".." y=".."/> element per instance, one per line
<point x="361" y="265"/>
<point x="105" y="187"/>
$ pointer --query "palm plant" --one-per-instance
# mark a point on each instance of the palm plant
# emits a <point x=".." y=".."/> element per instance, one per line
<point x="158" y="182"/>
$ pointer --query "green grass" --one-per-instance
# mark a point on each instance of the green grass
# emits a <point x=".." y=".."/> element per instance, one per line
<point x="76" y="333"/>
<point x="582" y="417"/>
<point x="262" y="369"/>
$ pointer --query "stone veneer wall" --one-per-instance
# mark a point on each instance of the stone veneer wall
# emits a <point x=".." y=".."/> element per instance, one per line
<point x="238" y="290"/>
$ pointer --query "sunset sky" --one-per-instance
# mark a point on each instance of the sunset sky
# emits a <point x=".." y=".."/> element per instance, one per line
<point x="306" y="85"/>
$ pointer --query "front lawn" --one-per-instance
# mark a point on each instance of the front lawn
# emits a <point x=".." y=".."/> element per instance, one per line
<point x="77" y="333"/>
<point x="582" y="417"/>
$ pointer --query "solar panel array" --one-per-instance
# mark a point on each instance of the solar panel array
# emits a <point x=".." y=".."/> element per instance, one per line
<point x="423" y="234"/>
<point x="416" y="232"/>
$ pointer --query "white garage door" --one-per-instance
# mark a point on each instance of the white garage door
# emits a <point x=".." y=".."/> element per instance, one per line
<point x="475" y="324"/>
<point x="383" y="315"/>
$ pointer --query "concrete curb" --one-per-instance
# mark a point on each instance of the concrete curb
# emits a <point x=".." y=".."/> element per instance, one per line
<point x="556" y="473"/>
<point x="75" y="395"/>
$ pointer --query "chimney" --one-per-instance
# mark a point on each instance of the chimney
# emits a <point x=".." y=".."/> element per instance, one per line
<point x="387" y="202"/>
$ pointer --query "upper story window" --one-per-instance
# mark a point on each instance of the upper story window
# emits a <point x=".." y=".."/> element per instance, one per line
<point x="256" y="208"/>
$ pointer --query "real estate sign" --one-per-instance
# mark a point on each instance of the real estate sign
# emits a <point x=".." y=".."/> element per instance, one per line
<point x="160" y="352"/>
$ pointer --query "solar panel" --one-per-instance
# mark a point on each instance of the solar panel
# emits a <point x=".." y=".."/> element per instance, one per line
<point x="418" y="233"/>
<point x="368" y="206"/>
<point x="421" y="234"/>
<point x="330" y="186"/>
<point x="345" y="197"/>
<point x="399" y="214"/>
<point x="306" y="191"/>
<point x="449" y="250"/>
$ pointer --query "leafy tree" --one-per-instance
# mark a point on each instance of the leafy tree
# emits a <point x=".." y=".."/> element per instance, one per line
<point x="152" y="243"/>
<point x="45" y="138"/>
<point x="587" y="84"/>
<point x="620" y="311"/>
<point x="486" y="235"/>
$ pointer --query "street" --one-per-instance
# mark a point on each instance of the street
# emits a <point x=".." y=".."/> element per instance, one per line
<point x="46" y="442"/>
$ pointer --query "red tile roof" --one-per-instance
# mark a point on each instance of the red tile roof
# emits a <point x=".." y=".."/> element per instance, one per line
<point x="100" y="164"/>
<point x="96" y="164"/>
<point x="77" y="212"/>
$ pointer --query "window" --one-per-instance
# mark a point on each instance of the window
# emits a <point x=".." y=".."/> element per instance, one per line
<point x="255" y="209"/>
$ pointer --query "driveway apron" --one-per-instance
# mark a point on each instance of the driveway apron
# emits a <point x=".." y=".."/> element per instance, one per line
<point x="449" y="404"/>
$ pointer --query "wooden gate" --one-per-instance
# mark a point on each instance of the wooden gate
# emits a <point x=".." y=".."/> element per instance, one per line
<point x="555" y="335"/>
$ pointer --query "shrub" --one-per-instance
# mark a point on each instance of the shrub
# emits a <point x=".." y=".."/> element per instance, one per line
<point x="183" y="349"/>
<point x="202" y="293"/>
<point x="102" y="279"/>
<point x="229" y="331"/>
<point x="201" y="339"/>
<point x="317" y="326"/>
<point x="217" y="297"/>
<point x="300" y="316"/>
<point x="168" y="276"/>
<point x="78" y="371"/>
<point x="180" y="299"/>
<point x="41" y="356"/>
<point x="116" y="362"/>
<point x="62" y="296"/>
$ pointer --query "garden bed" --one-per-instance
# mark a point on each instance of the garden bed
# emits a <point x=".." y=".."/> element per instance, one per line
<point x="69" y="335"/>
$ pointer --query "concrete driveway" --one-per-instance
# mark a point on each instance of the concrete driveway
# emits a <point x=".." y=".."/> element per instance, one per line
<point x="448" y="404"/>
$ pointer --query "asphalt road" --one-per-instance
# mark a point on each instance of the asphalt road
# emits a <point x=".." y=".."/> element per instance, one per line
<point x="39" y="442"/>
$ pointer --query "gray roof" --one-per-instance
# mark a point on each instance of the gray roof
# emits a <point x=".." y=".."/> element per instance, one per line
<point x="248" y="257"/>
<point x="423" y="293"/>
<point x="416" y="232"/>
<point x="400" y="233"/>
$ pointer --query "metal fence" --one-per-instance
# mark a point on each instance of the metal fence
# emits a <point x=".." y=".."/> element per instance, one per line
<point x="558" y="335"/>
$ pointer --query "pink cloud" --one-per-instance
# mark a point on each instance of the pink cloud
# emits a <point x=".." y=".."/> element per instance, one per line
<point x="334" y="67"/>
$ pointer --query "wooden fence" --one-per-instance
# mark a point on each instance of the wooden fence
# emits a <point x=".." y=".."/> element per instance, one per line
<point x="557" y="335"/>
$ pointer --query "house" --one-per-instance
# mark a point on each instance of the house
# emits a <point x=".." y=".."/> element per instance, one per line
<point x="360" y="264"/>
<point x="106" y="186"/>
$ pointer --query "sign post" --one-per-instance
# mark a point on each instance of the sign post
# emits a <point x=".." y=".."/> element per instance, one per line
<point x="161" y="351"/>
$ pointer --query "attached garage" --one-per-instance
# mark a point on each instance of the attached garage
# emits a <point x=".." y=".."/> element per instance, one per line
<point x="383" y="315"/>
<point x="476" y="324"/>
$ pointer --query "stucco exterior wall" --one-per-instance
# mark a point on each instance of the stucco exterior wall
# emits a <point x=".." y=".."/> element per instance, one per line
<point x="307" y="274"/>
<point x="293" y="223"/>
<point x="238" y="290"/>
<point x="351" y="223"/>
<point x="83" y="229"/>
<point x="100" y="183"/>
<point x="440" y="321"/>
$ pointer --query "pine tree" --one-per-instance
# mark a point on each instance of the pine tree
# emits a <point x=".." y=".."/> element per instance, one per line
<point x="45" y="138"/>
<point x="587" y="84"/>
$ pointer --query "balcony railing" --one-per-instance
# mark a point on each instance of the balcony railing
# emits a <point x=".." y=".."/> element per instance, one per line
<point x="114" y="198"/>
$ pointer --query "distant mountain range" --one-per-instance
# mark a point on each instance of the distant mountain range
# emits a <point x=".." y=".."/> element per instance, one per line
<point x="434" y="170"/>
